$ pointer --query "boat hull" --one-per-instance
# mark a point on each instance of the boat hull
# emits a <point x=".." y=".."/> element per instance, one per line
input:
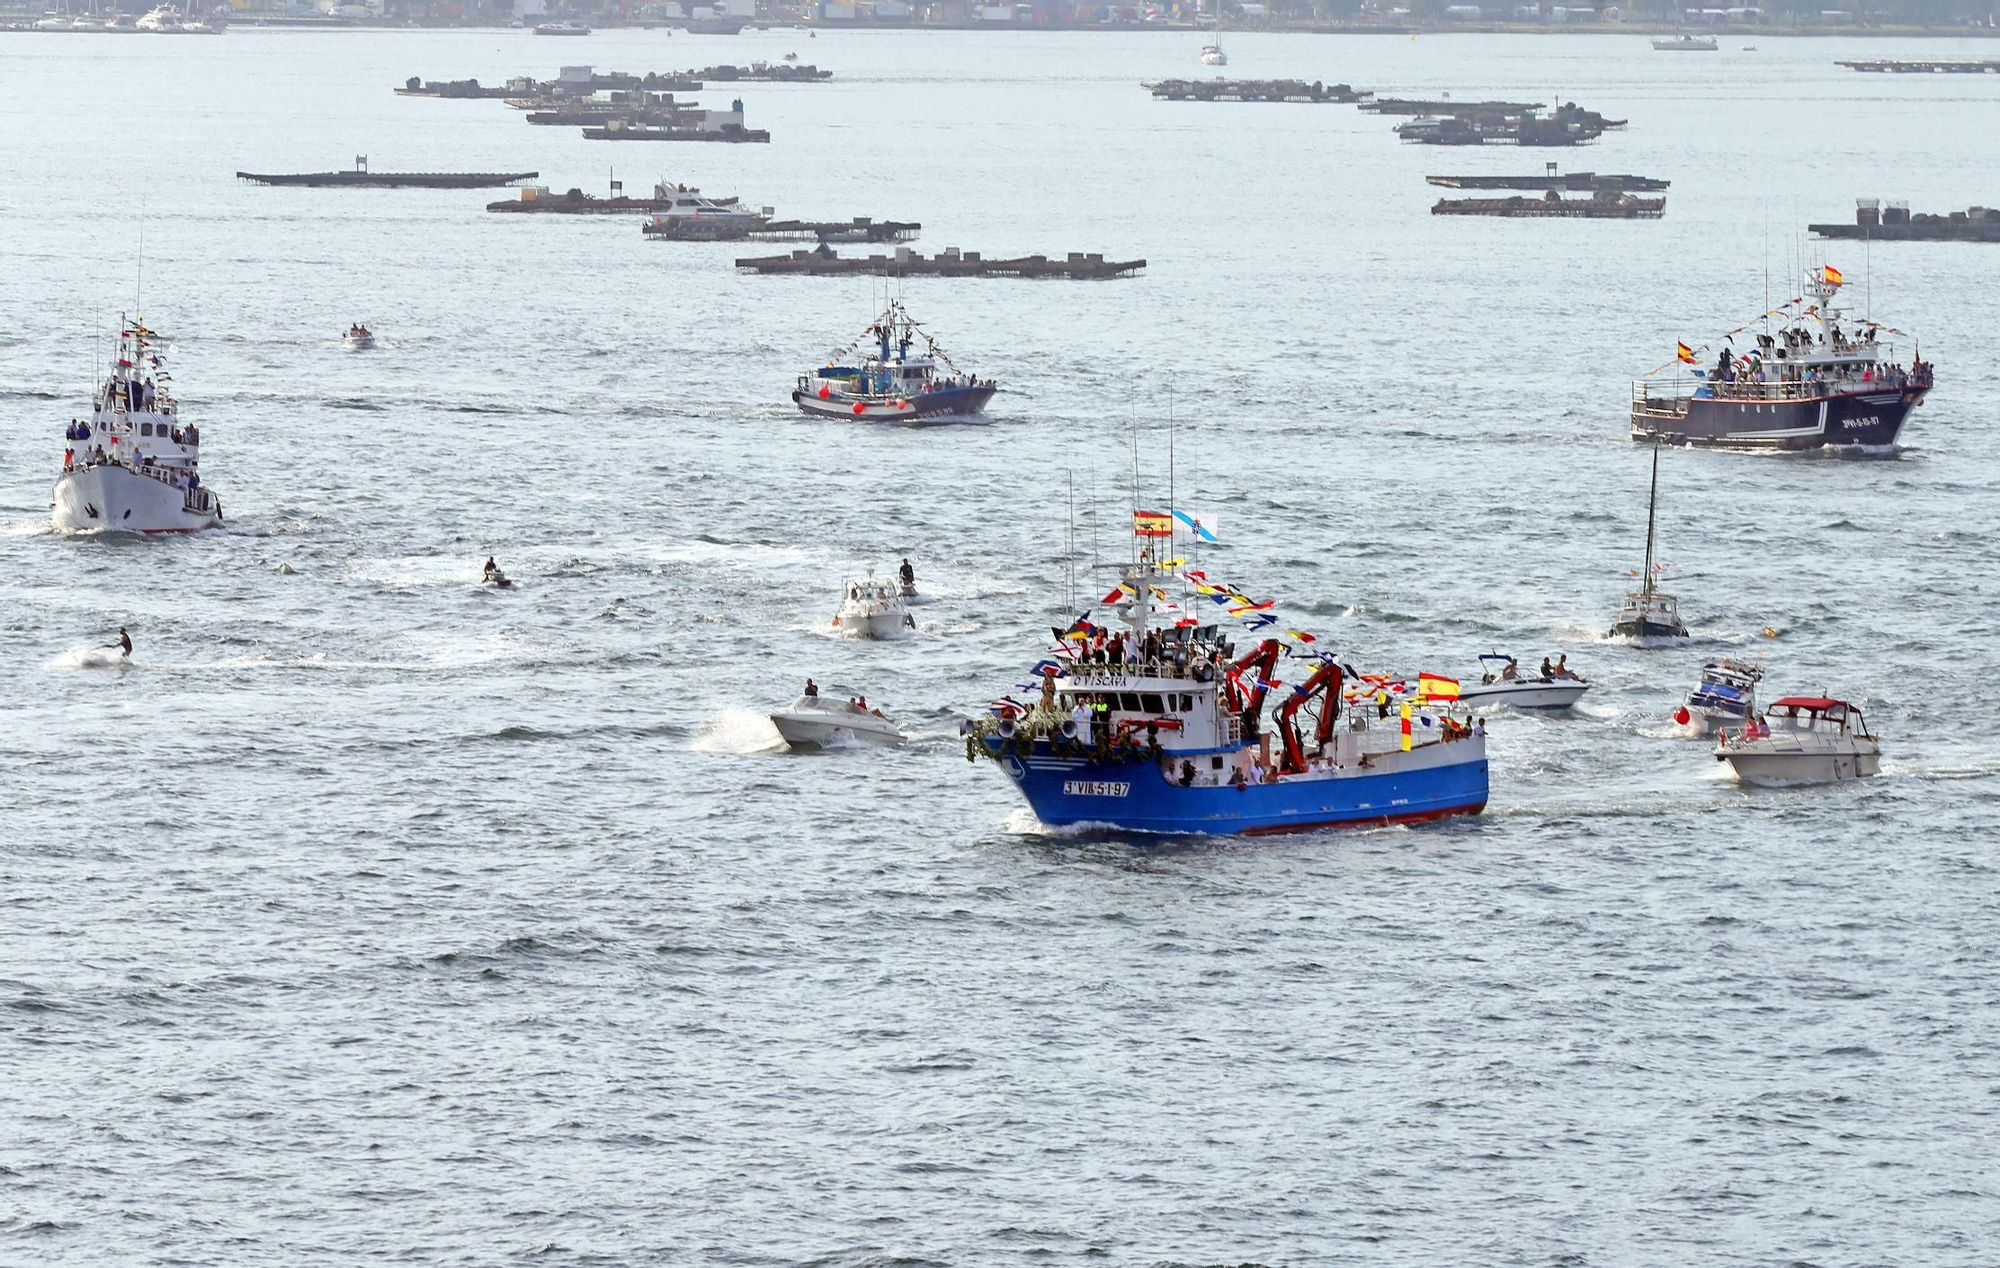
<point x="1524" y="695"/>
<point x="1648" y="631"/>
<point x="879" y="625"/>
<point x="1791" y="769"/>
<point x="115" y="499"/>
<point x="820" y="730"/>
<point x="1434" y="782"/>
<point x="1861" y="418"/>
<point x="939" y="406"/>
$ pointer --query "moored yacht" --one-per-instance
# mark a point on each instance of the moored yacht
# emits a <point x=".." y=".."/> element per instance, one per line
<point x="871" y="608"/>
<point x="1169" y="733"/>
<point x="682" y="213"/>
<point x="1650" y="613"/>
<point x="1686" y="44"/>
<point x="889" y="383"/>
<point x="1726" y="697"/>
<point x="1212" y="54"/>
<point x="1821" y="378"/>
<point x="133" y="467"/>
<point x="561" y="28"/>
<point x="1802" y="740"/>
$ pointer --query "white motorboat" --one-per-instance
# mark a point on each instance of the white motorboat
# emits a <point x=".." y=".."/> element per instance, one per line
<point x="1686" y="44"/>
<point x="561" y="28"/>
<point x="1802" y="740"/>
<point x="1555" y="691"/>
<point x="358" y="339"/>
<point x="1726" y="697"/>
<point x="873" y="609"/>
<point x="1649" y="613"/>
<point x="811" y="722"/>
<point x="1212" y="55"/>
<point x="132" y="467"/>
<point x="54" y="24"/>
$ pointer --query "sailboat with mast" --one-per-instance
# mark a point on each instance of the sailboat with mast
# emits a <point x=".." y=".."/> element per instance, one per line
<point x="1649" y="612"/>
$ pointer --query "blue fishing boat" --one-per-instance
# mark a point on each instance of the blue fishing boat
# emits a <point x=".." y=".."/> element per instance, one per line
<point x="890" y="383"/>
<point x="1164" y="727"/>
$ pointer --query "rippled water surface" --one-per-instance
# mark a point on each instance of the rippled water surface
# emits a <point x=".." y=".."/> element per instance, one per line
<point x="370" y="916"/>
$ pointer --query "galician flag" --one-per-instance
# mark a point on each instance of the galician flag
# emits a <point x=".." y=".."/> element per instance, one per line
<point x="1202" y="526"/>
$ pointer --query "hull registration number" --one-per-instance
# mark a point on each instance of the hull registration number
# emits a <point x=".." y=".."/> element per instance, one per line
<point x="1094" y="788"/>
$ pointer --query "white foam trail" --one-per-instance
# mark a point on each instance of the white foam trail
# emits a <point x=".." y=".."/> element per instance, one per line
<point x="90" y="658"/>
<point x="739" y="731"/>
<point x="28" y="528"/>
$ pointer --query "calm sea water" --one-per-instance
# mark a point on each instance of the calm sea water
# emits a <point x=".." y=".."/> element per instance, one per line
<point x="374" y="917"/>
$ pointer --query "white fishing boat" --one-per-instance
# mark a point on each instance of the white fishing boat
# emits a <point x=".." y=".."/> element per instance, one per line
<point x="1649" y="614"/>
<point x="812" y="722"/>
<point x="1802" y="740"/>
<point x="1504" y="685"/>
<point x="892" y="382"/>
<point x="1726" y="697"/>
<point x="358" y="338"/>
<point x="132" y="467"/>
<point x="1686" y="44"/>
<point x="871" y="608"/>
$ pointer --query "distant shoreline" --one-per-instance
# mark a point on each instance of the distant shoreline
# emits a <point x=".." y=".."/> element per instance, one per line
<point x="21" y="22"/>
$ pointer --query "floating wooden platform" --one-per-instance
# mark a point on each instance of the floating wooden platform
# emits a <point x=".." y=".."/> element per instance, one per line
<point x="1605" y="205"/>
<point x="1926" y="66"/>
<point x="947" y="263"/>
<point x="1575" y="182"/>
<point x="765" y="73"/>
<point x="1405" y="105"/>
<point x="1292" y="90"/>
<point x="859" y="229"/>
<point x="613" y="132"/>
<point x="577" y="203"/>
<point x="391" y="180"/>
<point x="1896" y="224"/>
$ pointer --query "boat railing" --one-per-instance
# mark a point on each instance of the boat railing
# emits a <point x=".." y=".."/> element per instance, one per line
<point x="1196" y="671"/>
<point x="1671" y="399"/>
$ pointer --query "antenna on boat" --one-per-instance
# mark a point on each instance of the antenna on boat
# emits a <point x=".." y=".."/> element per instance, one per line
<point x="1069" y="552"/>
<point x="1135" y="474"/>
<point x="1652" y="503"/>
<point x="1170" y="469"/>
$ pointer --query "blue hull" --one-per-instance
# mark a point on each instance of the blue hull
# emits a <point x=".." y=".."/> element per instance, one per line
<point x="1137" y="797"/>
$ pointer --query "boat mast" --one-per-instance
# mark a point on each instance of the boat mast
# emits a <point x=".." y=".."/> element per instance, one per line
<point x="1652" y="502"/>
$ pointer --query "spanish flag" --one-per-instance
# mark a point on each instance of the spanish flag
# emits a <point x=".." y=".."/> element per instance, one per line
<point x="1152" y="524"/>
<point x="1436" y="687"/>
<point x="1831" y="274"/>
<point x="1684" y="352"/>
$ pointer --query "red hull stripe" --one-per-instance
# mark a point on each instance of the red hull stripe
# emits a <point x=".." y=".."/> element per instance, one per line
<point x="1379" y="821"/>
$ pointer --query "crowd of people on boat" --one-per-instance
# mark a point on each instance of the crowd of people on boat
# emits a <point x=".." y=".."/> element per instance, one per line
<point x="1756" y="377"/>
<point x="1557" y="670"/>
<point x="1156" y="654"/>
<point x="139" y="396"/>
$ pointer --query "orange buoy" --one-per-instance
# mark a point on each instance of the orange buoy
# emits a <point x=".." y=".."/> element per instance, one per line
<point x="824" y="391"/>
<point x="858" y="407"/>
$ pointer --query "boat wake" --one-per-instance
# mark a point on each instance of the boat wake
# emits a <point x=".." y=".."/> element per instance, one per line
<point x="739" y="732"/>
<point x="91" y="658"/>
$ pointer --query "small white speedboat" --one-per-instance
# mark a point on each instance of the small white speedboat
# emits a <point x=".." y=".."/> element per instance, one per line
<point x="1504" y="686"/>
<point x="358" y="339"/>
<point x="873" y="609"/>
<point x="1727" y="697"/>
<point x="1802" y="740"/>
<point x="812" y="722"/>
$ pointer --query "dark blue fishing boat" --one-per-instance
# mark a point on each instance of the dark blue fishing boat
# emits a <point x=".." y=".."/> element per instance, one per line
<point x="1812" y="382"/>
